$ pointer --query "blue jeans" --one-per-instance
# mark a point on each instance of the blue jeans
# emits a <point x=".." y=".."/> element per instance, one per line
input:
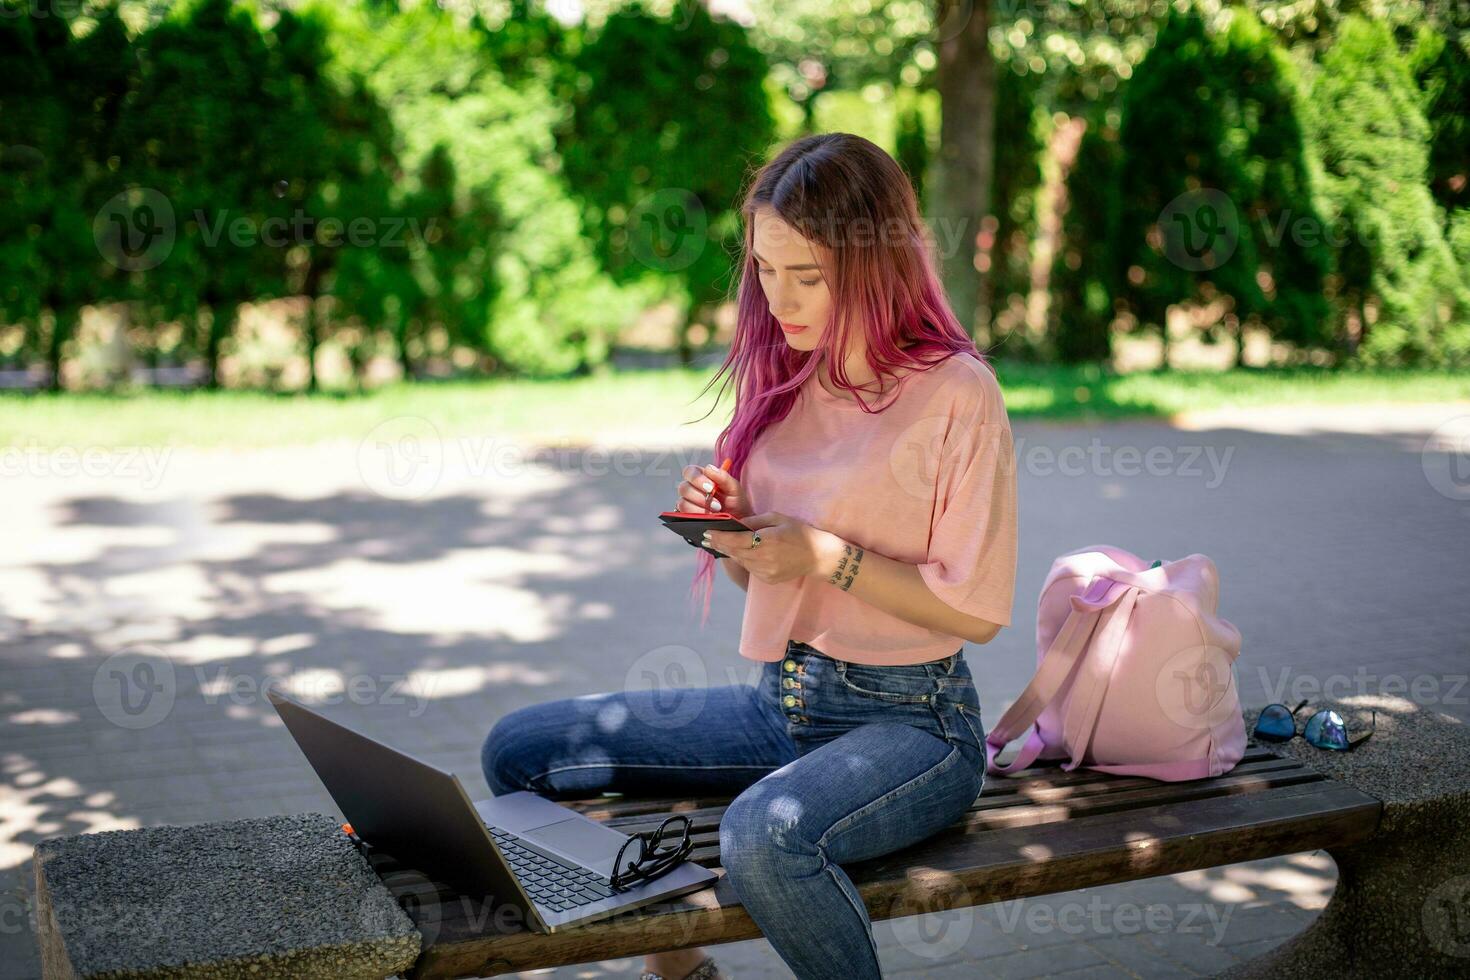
<point x="828" y="762"/>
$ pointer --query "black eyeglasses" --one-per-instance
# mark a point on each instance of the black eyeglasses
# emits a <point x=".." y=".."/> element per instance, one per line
<point x="656" y="855"/>
<point x="1325" y="729"/>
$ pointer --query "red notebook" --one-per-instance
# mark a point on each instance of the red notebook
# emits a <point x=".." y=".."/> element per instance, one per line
<point x="690" y="525"/>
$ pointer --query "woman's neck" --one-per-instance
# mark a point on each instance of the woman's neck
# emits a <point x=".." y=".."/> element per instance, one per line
<point x="858" y="373"/>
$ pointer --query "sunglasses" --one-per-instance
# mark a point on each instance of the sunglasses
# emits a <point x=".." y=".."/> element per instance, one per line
<point x="656" y="856"/>
<point x="1325" y="729"/>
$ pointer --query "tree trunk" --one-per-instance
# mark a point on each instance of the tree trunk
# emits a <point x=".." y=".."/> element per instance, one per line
<point x="686" y="350"/>
<point x="219" y="319"/>
<point x="405" y="363"/>
<point x="964" y="169"/>
<point x="63" y="325"/>
<point x="312" y="342"/>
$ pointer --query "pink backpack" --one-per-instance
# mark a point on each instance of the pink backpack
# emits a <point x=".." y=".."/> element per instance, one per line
<point x="1135" y="671"/>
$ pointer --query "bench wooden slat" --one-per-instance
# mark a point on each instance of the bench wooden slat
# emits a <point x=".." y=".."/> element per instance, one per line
<point x="951" y="870"/>
<point x="1037" y="792"/>
<point x="610" y="810"/>
<point x="998" y="791"/>
<point x="1060" y="805"/>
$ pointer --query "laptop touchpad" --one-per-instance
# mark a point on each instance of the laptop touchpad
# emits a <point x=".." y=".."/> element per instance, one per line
<point x="587" y="841"/>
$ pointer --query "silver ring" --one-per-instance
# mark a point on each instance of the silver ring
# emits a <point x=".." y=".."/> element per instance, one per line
<point x="755" y="539"/>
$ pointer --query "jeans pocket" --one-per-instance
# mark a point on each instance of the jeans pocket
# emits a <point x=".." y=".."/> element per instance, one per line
<point x="913" y="683"/>
<point x="971" y="717"/>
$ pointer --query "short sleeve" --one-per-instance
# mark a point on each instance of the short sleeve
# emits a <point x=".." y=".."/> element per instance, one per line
<point x="971" y="563"/>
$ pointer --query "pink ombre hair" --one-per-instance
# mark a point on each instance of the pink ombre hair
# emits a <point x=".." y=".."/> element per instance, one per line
<point x="826" y="186"/>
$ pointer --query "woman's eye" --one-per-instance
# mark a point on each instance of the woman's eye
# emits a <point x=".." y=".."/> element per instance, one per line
<point x="805" y="283"/>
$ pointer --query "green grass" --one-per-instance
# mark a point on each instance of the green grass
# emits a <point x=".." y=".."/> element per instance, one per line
<point x="629" y="405"/>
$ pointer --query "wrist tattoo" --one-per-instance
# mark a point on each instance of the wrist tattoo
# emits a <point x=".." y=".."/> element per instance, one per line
<point x="847" y="567"/>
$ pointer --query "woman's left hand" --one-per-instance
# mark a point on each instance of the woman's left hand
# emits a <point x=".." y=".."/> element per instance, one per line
<point x="790" y="548"/>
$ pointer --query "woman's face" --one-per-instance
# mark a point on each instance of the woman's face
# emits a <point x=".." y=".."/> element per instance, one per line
<point x="789" y="269"/>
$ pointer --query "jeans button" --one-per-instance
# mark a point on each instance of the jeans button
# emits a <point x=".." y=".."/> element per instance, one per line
<point x="790" y="665"/>
<point x="788" y="700"/>
<point x="788" y="682"/>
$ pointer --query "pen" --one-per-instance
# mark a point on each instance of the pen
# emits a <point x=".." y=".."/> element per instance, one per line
<point x="724" y="466"/>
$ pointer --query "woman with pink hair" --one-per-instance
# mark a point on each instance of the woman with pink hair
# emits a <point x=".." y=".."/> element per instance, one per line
<point x="872" y="459"/>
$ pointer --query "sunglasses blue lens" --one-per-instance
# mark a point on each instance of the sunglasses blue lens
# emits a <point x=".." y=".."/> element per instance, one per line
<point x="1325" y="730"/>
<point x="1275" y="721"/>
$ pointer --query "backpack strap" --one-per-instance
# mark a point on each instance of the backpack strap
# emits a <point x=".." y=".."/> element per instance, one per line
<point x="1056" y="666"/>
<point x="1084" y="702"/>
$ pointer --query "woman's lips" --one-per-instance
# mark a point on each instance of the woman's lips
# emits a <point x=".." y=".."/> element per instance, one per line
<point x="791" y="327"/>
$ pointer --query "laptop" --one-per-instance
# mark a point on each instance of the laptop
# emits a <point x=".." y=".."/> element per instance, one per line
<point x="549" y="863"/>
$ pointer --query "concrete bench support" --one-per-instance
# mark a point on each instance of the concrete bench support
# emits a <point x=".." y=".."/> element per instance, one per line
<point x="1402" y="903"/>
<point x="268" y="897"/>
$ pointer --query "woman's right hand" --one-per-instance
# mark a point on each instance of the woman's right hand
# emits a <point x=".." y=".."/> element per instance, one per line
<point x="728" y="498"/>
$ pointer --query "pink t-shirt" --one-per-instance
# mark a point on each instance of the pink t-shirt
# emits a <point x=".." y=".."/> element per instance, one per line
<point x="929" y="480"/>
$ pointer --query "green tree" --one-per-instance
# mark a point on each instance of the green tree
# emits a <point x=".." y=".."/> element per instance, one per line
<point x="528" y="293"/>
<point x="1086" y="278"/>
<point x="668" y="117"/>
<point x="1441" y="65"/>
<point x="1218" y="185"/>
<point x="1397" y="287"/>
<point x="199" y="130"/>
<point x="332" y="154"/>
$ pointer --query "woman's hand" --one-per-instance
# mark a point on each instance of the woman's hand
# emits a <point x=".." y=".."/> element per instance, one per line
<point x="790" y="548"/>
<point x="729" y="497"/>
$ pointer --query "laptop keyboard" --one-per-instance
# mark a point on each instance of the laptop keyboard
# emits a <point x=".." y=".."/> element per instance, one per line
<point x="549" y="880"/>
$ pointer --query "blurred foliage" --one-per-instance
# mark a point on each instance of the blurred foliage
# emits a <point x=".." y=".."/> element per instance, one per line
<point x="476" y="185"/>
<point x="1224" y="205"/>
<point x="1400" y="289"/>
<point x="667" y="119"/>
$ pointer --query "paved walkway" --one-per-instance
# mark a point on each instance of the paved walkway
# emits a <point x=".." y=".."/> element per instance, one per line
<point x="396" y="589"/>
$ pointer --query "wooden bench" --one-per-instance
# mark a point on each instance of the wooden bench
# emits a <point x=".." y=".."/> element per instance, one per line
<point x="1039" y="832"/>
<point x="290" y="896"/>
